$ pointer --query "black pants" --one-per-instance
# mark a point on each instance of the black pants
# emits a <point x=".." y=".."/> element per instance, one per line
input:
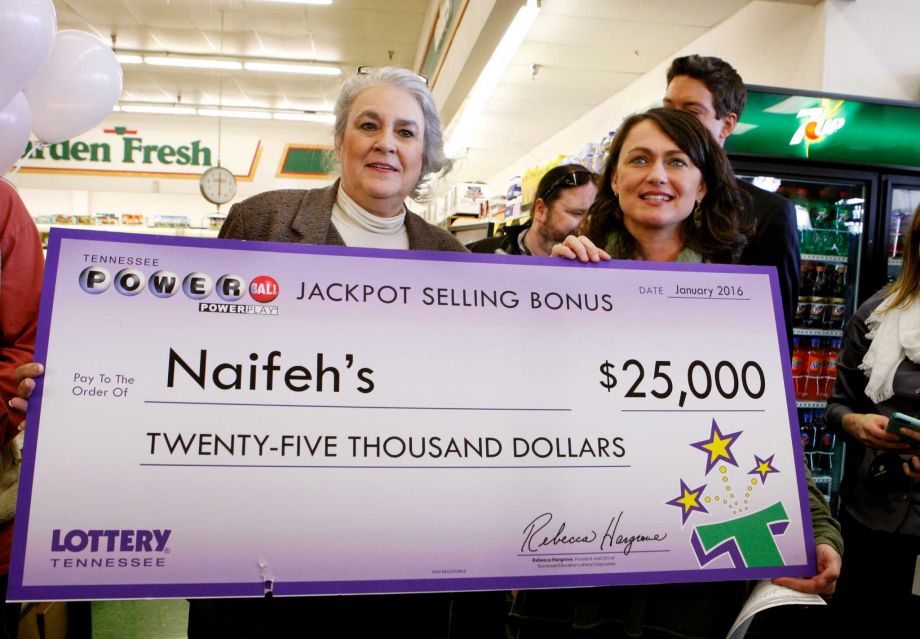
<point x="9" y="617"/>
<point x="873" y="597"/>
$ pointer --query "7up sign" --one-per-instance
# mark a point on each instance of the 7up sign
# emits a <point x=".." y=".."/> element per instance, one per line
<point x="817" y="123"/>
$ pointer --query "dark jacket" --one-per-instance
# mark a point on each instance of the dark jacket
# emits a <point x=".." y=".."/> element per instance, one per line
<point x="775" y="243"/>
<point x="305" y="217"/>
<point x="507" y="244"/>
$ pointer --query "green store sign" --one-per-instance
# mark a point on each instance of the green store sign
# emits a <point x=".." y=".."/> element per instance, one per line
<point x="828" y="129"/>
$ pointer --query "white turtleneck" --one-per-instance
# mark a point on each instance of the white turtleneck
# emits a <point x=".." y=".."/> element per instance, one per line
<point x="361" y="229"/>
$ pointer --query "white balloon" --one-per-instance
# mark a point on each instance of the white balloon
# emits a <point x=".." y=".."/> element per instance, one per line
<point x="15" y="125"/>
<point x="27" y="29"/>
<point x="75" y="89"/>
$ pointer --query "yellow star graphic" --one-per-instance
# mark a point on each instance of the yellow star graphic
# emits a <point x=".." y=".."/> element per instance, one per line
<point x="718" y="447"/>
<point x="690" y="500"/>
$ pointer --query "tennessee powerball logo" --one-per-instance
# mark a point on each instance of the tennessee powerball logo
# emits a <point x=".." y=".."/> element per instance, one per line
<point x="230" y="288"/>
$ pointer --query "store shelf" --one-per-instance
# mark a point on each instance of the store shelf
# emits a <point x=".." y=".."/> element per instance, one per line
<point x="150" y="230"/>
<point x="817" y="332"/>
<point x="895" y="261"/>
<point x="801" y="404"/>
<point x="841" y="259"/>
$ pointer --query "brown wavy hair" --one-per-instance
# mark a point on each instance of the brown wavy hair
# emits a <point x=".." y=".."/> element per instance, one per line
<point x="906" y="289"/>
<point x="721" y="236"/>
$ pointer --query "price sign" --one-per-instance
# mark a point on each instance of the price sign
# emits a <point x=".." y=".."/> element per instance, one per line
<point x="355" y="421"/>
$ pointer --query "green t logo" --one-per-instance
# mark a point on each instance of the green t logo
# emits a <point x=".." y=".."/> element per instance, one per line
<point x="748" y="540"/>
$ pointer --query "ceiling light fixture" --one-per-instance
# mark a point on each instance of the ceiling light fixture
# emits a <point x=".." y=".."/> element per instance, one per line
<point x="193" y="63"/>
<point x="129" y="58"/>
<point x="322" y="118"/>
<point x="491" y="75"/>
<point x="233" y="113"/>
<point x="166" y="109"/>
<point x="285" y="67"/>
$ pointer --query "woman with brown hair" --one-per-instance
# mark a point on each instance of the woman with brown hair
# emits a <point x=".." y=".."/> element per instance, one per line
<point x="667" y="194"/>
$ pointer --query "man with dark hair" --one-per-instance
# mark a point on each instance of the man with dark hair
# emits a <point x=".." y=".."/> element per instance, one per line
<point x="713" y="91"/>
<point x="562" y="199"/>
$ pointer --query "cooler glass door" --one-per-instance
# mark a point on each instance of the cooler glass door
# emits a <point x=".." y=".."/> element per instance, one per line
<point x="903" y="203"/>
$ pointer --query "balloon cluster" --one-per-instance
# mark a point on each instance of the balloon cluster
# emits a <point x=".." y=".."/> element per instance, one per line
<point x="56" y="84"/>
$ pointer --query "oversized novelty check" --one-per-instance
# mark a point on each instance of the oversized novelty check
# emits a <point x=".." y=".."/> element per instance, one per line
<point x="224" y="418"/>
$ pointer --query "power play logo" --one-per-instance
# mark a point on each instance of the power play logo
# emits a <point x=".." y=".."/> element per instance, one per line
<point x="197" y="286"/>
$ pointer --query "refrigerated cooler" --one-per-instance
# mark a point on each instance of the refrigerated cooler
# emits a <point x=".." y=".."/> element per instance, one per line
<point x="851" y="167"/>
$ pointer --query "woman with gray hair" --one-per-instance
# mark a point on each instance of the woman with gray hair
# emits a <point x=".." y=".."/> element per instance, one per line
<point x="388" y="143"/>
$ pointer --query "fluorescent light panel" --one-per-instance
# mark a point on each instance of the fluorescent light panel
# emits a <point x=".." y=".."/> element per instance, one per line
<point x="158" y="110"/>
<point x="322" y="118"/>
<point x="193" y="63"/>
<point x="128" y="58"/>
<point x="284" y="67"/>
<point x="491" y="75"/>
<point x="230" y="113"/>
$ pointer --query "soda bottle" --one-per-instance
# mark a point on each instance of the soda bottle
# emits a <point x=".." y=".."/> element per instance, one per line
<point x="814" y="369"/>
<point x="835" y="312"/>
<point x="819" y="298"/>
<point x="806" y="286"/>
<point x="807" y="432"/>
<point x="798" y="367"/>
<point x="824" y="437"/>
<point x="830" y="367"/>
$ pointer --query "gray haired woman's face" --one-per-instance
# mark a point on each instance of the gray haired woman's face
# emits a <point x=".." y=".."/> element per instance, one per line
<point x="381" y="149"/>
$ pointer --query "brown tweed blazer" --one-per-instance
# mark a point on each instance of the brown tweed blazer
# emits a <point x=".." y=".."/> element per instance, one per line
<point x="305" y="217"/>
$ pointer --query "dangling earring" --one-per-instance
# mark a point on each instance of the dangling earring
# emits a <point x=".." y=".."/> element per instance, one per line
<point x="698" y="214"/>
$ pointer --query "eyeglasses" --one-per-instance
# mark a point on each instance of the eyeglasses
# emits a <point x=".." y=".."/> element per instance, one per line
<point x="569" y="180"/>
<point x="369" y="70"/>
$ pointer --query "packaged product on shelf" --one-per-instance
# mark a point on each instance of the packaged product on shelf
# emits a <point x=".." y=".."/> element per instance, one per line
<point x="835" y="311"/>
<point x="172" y="221"/>
<point x="106" y="219"/>
<point x="807" y="431"/>
<point x="830" y="367"/>
<point x="814" y="370"/>
<point x="214" y="222"/>
<point x="803" y="306"/>
<point x="43" y="219"/>
<point x="65" y="219"/>
<point x="86" y="220"/>
<point x="132" y="219"/>
<point x="819" y="297"/>
<point x="467" y="198"/>
<point x="798" y="368"/>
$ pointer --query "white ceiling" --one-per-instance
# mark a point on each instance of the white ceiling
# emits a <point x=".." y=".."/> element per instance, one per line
<point x="586" y="50"/>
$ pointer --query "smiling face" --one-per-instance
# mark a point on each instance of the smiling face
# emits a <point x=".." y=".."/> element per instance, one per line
<point x="690" y="94"/>
<point x="656" y="182"/>
<point x="381" y="149"/>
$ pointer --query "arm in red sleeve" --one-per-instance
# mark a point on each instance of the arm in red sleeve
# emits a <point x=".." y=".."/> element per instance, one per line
<point x="22" y="264"/>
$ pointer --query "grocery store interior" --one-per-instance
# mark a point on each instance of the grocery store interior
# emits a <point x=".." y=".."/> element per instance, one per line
<point x="521" y="86"/>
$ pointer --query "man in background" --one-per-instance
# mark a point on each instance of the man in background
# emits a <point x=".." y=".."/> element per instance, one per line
<point x="562" y="199"/>
<point x="21" y="265"/>
<point x="712" y="90"/>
